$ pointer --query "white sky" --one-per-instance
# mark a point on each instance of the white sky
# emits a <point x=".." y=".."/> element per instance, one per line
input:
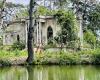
<point x="24" y="2"/>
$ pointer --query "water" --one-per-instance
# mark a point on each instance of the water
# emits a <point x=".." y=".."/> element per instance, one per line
<point x="50" y="73"/>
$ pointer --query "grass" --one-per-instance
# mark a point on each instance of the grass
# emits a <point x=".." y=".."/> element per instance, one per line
<point x="15" y="53"/>
<point x="69" y="58"/>
<point x="12" y="57"/>
<point x="56" y="58"/>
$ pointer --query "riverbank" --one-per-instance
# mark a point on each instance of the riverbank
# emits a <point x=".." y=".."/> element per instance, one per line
<point x="69" y="58"/>
<point x="17" y="57"/>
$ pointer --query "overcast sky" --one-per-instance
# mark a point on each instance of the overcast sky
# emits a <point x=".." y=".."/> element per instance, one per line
<point x="24" y="2"/>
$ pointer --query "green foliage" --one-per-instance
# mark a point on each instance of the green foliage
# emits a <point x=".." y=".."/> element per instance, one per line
<point x="59" y="58"/>
<point x="5" y="63"/>
<point x="89" y="37"/>
<point x="51" y="45"/>
<point x="12" y="5"/>
<point x="94" y="19"/>
<point x="22" y="14"/>
<point x="90" y="14"/>
<point x="63" y="58"/>
<point x="44" y="11"/>
<point x="87" y="45"/>
<point x="96" y="58"/>
<point x="18" y="45"/>
<point x="6" y="53"/>
<point x="73" y="44"/>
<point x="8" y="58"/>
<point x="61" y="4"/>
<point x="67" y="21"/>
<point x="98" y="44"/>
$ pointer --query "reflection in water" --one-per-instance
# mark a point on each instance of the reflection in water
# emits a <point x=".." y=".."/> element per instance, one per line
<point x="30" y="70"/>
<point x="13" y="73"/>
<point x="50" y="73"/>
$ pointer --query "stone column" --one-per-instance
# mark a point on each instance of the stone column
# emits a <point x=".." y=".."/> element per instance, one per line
<point x="4" y="39"/>
<point x="39" y="32"/>
<point x="26" y="32"/>
<point x="1" y="24"/>
<point x="81" y="30"/>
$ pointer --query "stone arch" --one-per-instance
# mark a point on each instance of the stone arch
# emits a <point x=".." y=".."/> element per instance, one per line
<point x="50" y="35"/>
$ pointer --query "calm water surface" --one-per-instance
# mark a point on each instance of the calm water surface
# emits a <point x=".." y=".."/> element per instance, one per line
<point x="50" y="73"/>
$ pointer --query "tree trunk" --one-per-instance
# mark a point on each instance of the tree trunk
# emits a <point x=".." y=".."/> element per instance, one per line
<point x="1" y="13"/>
<point x="30" y="35"/>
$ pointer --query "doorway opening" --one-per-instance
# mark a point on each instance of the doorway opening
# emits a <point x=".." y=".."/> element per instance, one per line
<point x="50" y="35"/>
<point x="18" y="38"/>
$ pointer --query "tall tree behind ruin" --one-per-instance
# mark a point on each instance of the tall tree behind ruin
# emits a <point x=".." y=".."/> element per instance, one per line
<point x="82" y="8"/>
<point x="1" y="13"/>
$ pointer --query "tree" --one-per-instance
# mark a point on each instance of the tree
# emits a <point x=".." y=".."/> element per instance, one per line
<point x="42" y="10"/>
<point x="67" y="21"/>
<point x="22" y="13"/>
<point x="12" y="5"/>
<point x="30" y="34"/>
<point x="30" y="30"/>
<point x="82" y="9"/>
<point x="60" y="4"/>
<point x="7" y="9"/>
<point x="2" y="6"/>
<point x="94" y="19"/>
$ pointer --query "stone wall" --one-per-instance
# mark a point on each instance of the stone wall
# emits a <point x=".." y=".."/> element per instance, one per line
<point x="13" y="31"/>
<point x="40" y="31"/>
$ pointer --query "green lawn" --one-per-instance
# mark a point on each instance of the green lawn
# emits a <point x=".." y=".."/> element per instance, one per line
<point x="60" y="58"/>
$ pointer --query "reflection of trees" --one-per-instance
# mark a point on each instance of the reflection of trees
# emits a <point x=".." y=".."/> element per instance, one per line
<point x="13" y="73"/>
<point x="37" y="73"/>
<point x="30" y="70"/>
<point x="50" y="73"/>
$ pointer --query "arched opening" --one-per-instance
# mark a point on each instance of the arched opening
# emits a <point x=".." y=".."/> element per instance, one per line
<point x="50" y="35"/>
<point x="18" y="38"/>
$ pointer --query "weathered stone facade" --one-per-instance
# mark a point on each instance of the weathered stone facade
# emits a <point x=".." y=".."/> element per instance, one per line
<point x="46" y="27"/>
<point x="14" y="32"/>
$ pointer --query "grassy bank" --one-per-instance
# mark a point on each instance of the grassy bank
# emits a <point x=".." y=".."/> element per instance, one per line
<point x="17" y="57"/>
<point x="69" y="58"/>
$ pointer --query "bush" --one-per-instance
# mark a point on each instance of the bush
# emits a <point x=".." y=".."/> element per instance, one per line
<point x="72" y="45"/>
<point x="96" y="56"/>
<point x="50" y="46"/>
<point x="98" y="44"/>
<point x="69" y="58"/>
<point x="96" y="59"/>
<point x="18" y="45"/>
<point x="67" y="21"/>
<point x="90" y="38"/>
